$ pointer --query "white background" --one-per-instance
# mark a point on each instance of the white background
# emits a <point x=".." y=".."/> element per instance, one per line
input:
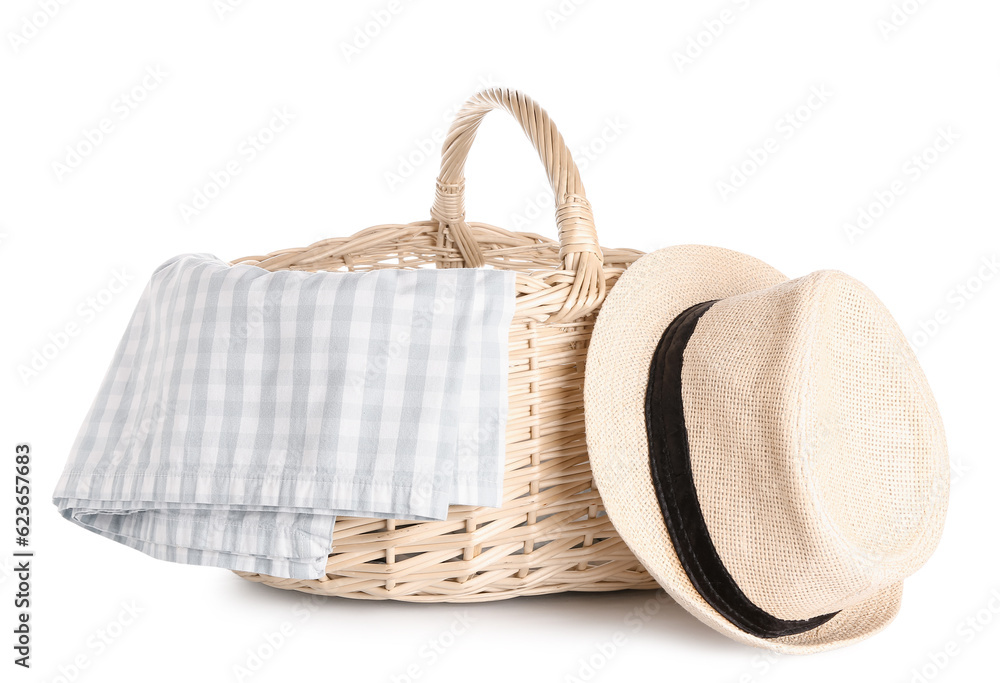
<point x="654" y="135"/>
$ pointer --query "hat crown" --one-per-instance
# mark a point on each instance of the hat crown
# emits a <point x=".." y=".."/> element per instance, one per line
<point x="816" y="448"/>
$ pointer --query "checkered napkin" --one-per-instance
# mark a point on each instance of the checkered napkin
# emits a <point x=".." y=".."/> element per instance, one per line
<point x="245" y="409"/>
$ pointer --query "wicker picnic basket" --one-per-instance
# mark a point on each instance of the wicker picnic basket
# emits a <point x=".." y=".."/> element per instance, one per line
<point x="551" y="534"/>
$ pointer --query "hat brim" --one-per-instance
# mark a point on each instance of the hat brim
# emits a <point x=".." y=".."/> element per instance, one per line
<point x="648" y="296"/>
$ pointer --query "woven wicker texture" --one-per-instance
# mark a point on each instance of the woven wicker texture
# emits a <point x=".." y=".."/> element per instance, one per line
<point x="817" y="451"/>
<point x="551" y="534"/>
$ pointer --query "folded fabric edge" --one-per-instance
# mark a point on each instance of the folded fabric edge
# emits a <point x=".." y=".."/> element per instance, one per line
<point x="290" y="552"/>
<point x="127" y="489"/>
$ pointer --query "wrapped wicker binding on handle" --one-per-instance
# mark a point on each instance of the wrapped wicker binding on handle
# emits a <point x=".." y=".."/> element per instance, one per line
<point x="551" y="534"/>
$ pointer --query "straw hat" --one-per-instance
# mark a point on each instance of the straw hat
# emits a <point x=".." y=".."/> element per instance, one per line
<point x="768" y="448"/>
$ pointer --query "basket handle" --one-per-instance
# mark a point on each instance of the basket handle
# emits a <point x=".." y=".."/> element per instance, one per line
<point x="578" y="248"/>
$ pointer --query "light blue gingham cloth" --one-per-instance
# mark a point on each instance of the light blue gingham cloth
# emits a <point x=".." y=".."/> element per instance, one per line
<point x="245" y="409"/>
